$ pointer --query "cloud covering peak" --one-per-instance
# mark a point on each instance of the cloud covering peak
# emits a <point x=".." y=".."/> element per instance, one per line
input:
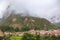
<point x="3" y="6"/>
<point x="41" y="8"/>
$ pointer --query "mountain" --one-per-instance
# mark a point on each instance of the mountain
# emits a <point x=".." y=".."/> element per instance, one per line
<point x="58" y="24"/>
<point x="0" y="20"/>
<point x="24" y="23"/>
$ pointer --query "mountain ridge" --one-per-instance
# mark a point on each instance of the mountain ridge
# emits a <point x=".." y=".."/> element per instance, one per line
<point x="19" y="22"/>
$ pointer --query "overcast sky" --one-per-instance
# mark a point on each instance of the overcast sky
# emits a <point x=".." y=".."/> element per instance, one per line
<point x="40" y="8"/>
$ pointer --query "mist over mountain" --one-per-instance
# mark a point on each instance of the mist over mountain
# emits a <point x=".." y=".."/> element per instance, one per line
<point x="21" y="22"/>
<point x="39" y="8"/>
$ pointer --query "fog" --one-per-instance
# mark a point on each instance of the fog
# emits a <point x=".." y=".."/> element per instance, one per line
<point x="48" y="9"/>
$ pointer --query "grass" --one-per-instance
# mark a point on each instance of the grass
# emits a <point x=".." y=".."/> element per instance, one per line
<point x="41" y="38"/>
<point x="15" y="38"/>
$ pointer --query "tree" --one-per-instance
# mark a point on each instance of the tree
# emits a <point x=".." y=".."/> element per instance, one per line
<point x="28" y="36"/>
<point x="37" y="36"/>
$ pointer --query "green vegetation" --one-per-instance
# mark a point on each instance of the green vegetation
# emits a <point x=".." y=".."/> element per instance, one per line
<point x="25" y="23"/>
<point x="15" y="38"/>
<point x="28" y="36"/>
<point x="18" y="23"/>
<point x="1" y="38"/>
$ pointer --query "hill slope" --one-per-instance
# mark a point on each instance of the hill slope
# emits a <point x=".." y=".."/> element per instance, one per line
<point x="18" y="22"/>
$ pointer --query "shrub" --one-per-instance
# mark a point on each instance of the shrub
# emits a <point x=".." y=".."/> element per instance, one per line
<point x="37" y="36"/>
<point x="28" y="36"/>
<point x="1" y="38"/>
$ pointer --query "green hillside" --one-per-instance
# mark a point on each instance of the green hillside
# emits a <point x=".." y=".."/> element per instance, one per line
<point x="16" y="22"/>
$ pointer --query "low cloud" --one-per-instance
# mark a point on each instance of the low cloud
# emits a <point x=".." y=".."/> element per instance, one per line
<point x="41" y="8"/>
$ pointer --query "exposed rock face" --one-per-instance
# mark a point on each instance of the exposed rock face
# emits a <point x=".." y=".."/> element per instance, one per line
<point x="16" y="25"/>
<point x="18" y="21"/>
<point x="14" y="19"/>
<point x="1" y="34"/>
